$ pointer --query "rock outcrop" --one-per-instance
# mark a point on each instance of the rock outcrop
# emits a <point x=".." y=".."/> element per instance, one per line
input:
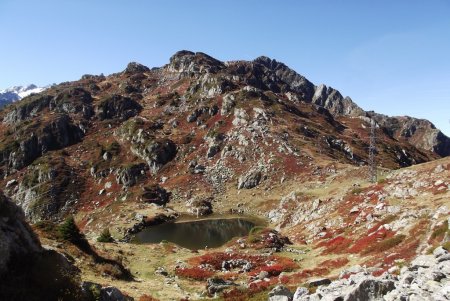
<point x="155" y="151"/>
<point x="27" y="271"/>
<point x="21" y="151"/>
<point x="427" y="278"/>
<point x="117" y="106"/>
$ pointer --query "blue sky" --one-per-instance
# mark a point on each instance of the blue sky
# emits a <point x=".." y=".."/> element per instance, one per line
<point x="389" y="56"/>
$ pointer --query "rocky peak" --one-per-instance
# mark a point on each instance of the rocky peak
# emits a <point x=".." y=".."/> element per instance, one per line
<point x="134" y="67"/>
<point x="332" y="100"/>
<point x="192" y="63"/>
<point x="296" y="82"/>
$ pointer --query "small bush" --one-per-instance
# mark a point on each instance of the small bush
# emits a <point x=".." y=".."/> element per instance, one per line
<point x="147" y="298"/>
<point x="357" y="190"/>
<point x="112" y="270"/>
<point x="105" y="236"/>
<point x="69" y="231"/>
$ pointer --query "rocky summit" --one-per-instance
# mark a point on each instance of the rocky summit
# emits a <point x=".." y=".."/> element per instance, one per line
<point x="91" y="163"/>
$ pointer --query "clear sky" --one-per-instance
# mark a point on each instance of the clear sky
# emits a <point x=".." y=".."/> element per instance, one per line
<point x="389" y="56"/>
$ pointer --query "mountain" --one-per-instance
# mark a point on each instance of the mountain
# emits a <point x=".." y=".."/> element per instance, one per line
<point x="197" y="136"/>
<point x="197" y="115"/>
<point x="16" y="93"/>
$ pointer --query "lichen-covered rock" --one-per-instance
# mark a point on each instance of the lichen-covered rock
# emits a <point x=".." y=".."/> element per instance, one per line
<point x="228" y="103"/>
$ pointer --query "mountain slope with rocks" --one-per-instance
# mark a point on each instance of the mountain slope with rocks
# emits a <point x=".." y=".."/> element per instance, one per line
<point x="199" y="136"/>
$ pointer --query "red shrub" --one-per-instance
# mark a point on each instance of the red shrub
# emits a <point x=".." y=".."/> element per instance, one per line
<point x="194" y="273"/>
<point x="335" y="245"/>
<point x="147" y="298"/>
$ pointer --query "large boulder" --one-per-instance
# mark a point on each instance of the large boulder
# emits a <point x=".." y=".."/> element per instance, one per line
<point x="280" y="293"/>
<point x="250" y="180"/>
<point x="134" y="67"/>
<point x="155" y="194"/>
<point x="201" y="206"/>
<point x="216" y="285"/>
<point x="27" y="271"/>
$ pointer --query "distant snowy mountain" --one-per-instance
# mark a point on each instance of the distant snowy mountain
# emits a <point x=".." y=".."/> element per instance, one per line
<point x="16" y="93"/>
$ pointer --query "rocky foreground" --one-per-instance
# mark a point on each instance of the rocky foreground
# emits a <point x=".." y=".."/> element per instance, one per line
<point x="427" y="278"/>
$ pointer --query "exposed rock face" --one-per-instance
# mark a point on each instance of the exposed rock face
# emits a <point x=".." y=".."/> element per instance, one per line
<point x="27" y="108"/>
<point x="155" y="151"/>
<point x="187" y="62"/>
<point x="419" y="132"/>
<point x="49" y="189"/>
<point x="280" y="293"/>
<point x="332" y="100"/>
<point x="130" y="175"/>
<point x="216" y="285"/>
<point x="17" y="240"/>
<point x="250" y="179"/>
<point x="289" y="80"/>
<point x="117" y="106"/>
<point x="27" y="271"/>
<point x="57" y="134"/>
<point x="155" y="194"/>
<point x="134" y="67"/>
<point x="73" y="100"/>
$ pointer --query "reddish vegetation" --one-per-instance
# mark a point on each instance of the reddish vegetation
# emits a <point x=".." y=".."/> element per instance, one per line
<point x="254" y="288"/>
<point x="370" y="239"/>
<point x="194" y="273"/>
<point x="147" y="298"/>
<point x="259" y="263"/>
<point x="335" y="245"/>
<point x="322" y="269"/>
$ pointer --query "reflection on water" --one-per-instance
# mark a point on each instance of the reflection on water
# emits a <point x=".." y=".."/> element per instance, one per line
<point x="196" y="234"/>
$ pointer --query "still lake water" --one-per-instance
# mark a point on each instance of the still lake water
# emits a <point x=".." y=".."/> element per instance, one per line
<point x="199" y="234"/>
